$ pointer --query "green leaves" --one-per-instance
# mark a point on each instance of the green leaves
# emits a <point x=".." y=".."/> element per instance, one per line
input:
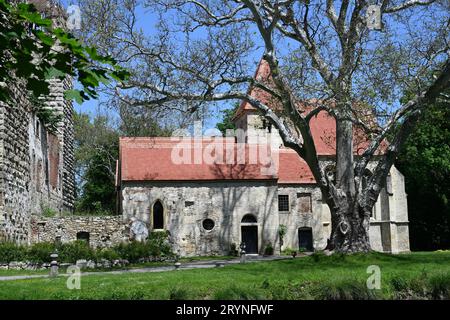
<point x="74" y="95"/>
<point x="32" y="50"/>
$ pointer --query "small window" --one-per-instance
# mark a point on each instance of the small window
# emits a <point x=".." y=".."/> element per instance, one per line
<point x="208" y="224"/>
<point x="283" y="202"/>
<point x="188" y="203"/>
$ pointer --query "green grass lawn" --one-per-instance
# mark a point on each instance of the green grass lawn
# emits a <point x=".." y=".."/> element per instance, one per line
<point x="311" y="277"/>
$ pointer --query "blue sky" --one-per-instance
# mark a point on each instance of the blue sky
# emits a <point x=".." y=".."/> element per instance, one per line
<point x="145" y="21"/>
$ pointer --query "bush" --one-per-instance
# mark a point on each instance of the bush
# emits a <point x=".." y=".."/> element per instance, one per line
<point x="108" y="254"/>
<point x="156" y="247"/>
<point x="132" y="251"/>
<point x="12" y="252"/>
<point x="73" y="251"/>
<point x="40" y="252"/>
<point x="159" y="245"/>
<point x="268" y="250"/>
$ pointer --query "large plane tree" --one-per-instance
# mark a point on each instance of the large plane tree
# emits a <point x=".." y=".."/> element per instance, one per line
<point x="359" y="61"/>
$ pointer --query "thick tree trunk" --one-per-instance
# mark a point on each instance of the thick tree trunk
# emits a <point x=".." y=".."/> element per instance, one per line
<point x="350" y="232"/>
<point x="350" y="221"/>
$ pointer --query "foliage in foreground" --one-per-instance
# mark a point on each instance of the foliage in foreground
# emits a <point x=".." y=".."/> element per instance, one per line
<point x="25" y="35"/>
<point x="155" y="248"/>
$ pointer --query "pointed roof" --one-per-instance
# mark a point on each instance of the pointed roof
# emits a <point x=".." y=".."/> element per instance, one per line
<point x="262" y="74"/>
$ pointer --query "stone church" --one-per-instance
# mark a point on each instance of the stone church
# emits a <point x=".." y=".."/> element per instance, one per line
<point x="212" y="194"/>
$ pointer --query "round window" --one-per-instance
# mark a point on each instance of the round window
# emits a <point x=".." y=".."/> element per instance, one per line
<point x="208" y="224"/>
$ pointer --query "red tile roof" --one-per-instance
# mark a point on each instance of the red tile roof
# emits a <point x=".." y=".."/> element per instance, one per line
<point x="159" y="159"/>
<point x="167" y="159"/>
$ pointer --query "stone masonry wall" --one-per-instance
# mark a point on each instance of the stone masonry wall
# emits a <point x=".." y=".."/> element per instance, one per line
<point x="36" y="166"/>
<point x="104" y="231"/>
<point x="14" y="170"/>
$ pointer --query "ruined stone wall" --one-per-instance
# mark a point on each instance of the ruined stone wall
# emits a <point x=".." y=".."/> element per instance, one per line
<point x="36" y="166"/>
<point x="15" y="175"/>
<point x="64" y="173"/>
<point x="103" y="231"/>
<point x="188" y="204"/>
<point x="32" y="160"/>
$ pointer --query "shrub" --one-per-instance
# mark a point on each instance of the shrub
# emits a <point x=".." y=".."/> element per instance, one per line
<point x="12" y="252"/>
<point x="73" y="251"/>
<point x="159" y="245"/>
<point x="268" y="250"/>
<point x="40" y="252"/>
<point x="132" y="251"/>
<point x="108" y="254"/>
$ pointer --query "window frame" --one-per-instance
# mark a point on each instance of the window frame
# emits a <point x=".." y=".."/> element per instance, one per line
<point x="286" y="202"/>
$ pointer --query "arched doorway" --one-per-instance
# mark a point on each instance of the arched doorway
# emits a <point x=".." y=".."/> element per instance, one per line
<point x="158" y="215"/>
<point x="305" y="239"/>
<point x="249" y="233"/>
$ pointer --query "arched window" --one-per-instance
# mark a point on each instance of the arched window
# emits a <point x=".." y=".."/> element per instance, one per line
<point x="249" y="218"/>
<point x="158" y="215"/>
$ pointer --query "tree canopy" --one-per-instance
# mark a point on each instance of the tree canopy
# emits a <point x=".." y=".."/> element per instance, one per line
<point x="35" y="49"/>
<point x="425" y="162"/>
